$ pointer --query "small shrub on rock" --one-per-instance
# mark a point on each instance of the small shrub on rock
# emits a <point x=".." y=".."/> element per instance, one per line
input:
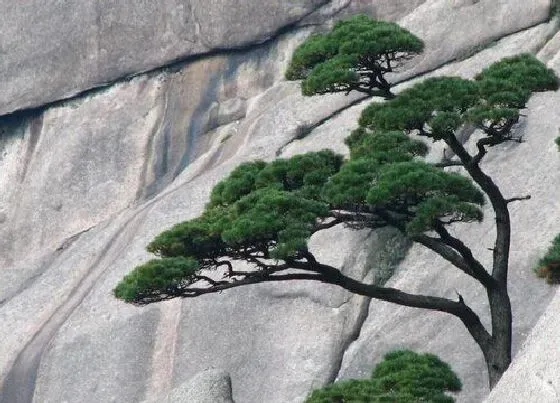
<point x="549" y="265"/>
<point x="403" y="376"/>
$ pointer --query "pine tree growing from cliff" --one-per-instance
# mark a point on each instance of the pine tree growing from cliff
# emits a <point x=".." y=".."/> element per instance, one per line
<point x="355" y="56"/>
<point x="265" y="213"/>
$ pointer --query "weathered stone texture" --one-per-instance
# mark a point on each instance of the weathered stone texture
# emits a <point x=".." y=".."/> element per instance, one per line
<point x="457" y="29"/>
<point x="210" y="386"/>
<point x="534" y="376"/>
<point x="162" y="127"/>
<point x="200" y="319"/>
<point x="53" y="50"/>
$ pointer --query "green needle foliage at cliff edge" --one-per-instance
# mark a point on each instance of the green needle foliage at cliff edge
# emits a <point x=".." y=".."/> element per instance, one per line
<point x="403" y="376"/>
<point x="264" y="213"/>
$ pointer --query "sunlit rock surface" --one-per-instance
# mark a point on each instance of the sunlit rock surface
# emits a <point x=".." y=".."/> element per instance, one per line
<point x="53" y="50"/>
<point x="86" y="183"/>
<point x="210" y="386"/>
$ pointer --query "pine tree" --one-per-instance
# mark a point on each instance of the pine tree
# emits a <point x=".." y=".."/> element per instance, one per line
<point x="355" y="55"/>
<point x="264" y="213"/>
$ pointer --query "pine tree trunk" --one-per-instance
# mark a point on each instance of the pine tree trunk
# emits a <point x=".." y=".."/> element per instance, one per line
<point x="497" y="361"/>
<point x="498" y="354"/>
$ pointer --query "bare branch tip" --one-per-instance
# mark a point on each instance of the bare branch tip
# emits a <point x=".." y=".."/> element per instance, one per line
<point x="519" y="198"/>
<point x="461" y="300"/>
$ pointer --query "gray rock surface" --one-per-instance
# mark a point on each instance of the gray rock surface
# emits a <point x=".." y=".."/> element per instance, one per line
<point x="88" y="182"/>
<point x="57" y="50"/>
<point x="457" y="29"/>
<point x="53" y="50"/>
<point x="533" y="376"/>
<point x="210" y="386"/>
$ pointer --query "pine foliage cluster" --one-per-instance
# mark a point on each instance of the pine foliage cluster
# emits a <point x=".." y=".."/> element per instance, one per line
<point x="403" y="376"/>
<point x="354" y="55"/>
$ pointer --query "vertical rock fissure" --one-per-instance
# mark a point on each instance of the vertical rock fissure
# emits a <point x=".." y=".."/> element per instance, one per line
<point x="352" y="337"/>
<point x="35" y="125"/>
<point x="383" y="258"/>
<point x="146" y="190"/>
<point x="197" y="124"/>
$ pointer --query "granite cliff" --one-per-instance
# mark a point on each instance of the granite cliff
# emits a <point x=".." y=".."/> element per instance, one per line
<point x="117" y="119"/>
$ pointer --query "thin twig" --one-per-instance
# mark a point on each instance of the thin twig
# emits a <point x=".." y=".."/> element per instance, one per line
<point x="520" y="198"/>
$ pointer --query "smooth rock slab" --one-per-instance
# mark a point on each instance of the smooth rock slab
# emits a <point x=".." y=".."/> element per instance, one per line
<point x="56" y="49"/>
<point x="212" y="386"/>
<point x="120" y="380"/>
<point x="275" y="111"/>
<point x="59" y="254"/>
<point x="534" y="376"/>
<point x="457" y="29"/>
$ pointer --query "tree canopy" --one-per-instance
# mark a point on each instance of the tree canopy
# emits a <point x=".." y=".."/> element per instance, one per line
<point x="437" y="107"/>
<point x="403" y="376"/>
<point x="355" y="55"/>
<point x="264" y="213"/>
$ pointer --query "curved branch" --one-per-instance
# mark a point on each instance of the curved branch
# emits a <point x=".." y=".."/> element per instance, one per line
<point x="499" y="205"/>
<point x="472" y="269"/>
<point x="326" y="225"/>
<point x="477" y="269"/>
<point x="469" y="318"/>
<point x="191" y="292"/>
<point x="448" y="163"/>
<point x="329" y="275"/>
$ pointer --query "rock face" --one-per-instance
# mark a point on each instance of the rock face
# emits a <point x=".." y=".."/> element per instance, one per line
<point x="457" y="29"/>
<point x="67" y="47"/>
<point x="207" y="387"/>
<point x="87" y="182"/>
<point x="533" y="376"/>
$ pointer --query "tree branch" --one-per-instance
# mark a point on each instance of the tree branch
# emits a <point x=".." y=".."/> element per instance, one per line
<point x="453" y="256"/>
<point x="360" y="219"/>
<point x="499" y="205"/>
<point x="210" y="280"/>
<point x="449" y="163"/>
<point x="519" y="198"/>
<point x="326" y="225"/>
<point x="469" y="318"/>
<point x="477" y="269"/>
<point x="191" y="292"/>
<point x="495" y="137"/>
<point x="326" y="274"/>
